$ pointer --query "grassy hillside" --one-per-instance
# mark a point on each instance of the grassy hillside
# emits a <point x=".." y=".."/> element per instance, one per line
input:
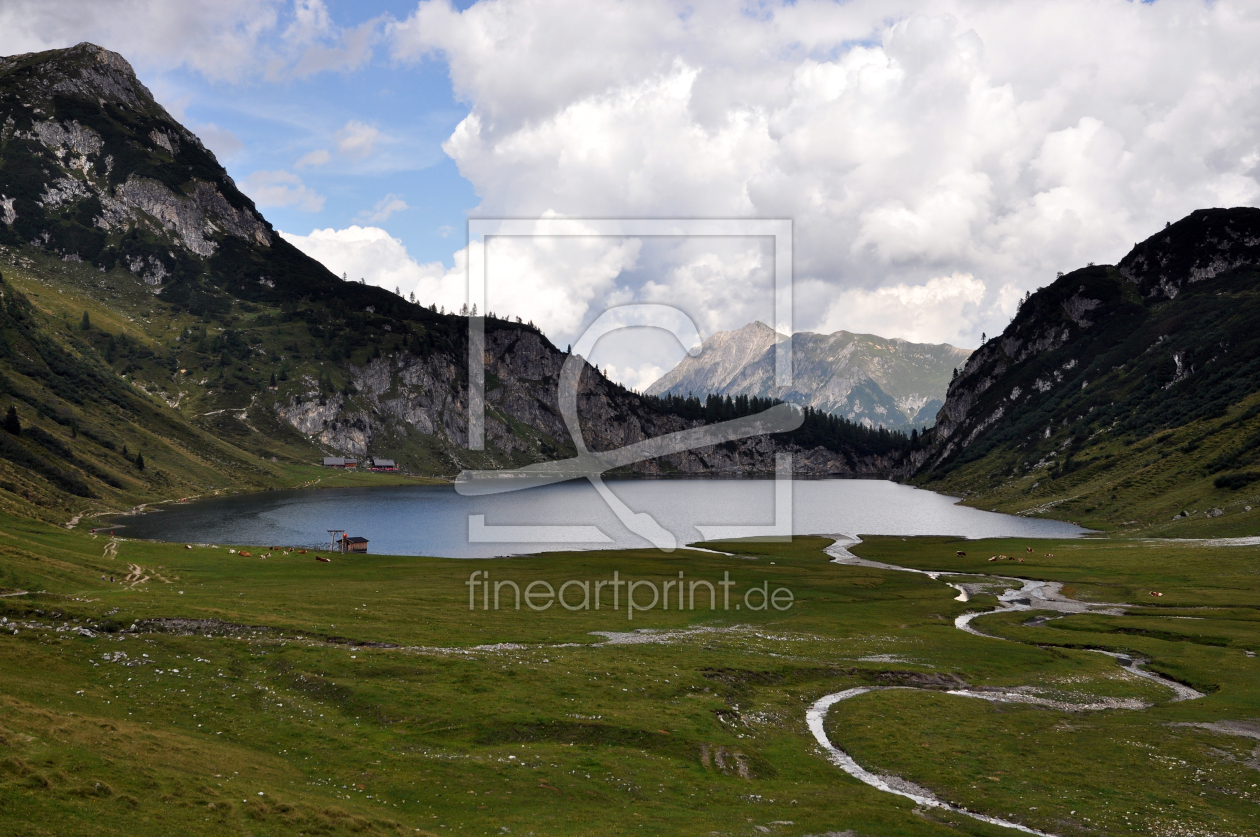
<point x="1118" y="399"/>
<point x="217" y="693"/>
<point x="1175" y="482"/>
<point x="141" y="379"/>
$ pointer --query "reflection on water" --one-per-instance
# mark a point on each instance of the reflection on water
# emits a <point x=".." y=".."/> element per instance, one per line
<point x="433" y="520"/>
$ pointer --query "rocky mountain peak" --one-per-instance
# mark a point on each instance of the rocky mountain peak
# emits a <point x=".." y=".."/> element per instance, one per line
<point x="1203" y="245"/>
<point x="84" y="71"/>
<point x="723" y="356"/>
<point x="93" y="169"/>
<point x="863" y="377"/>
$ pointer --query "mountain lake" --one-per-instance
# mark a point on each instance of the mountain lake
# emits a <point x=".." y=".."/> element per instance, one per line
<point x="438" y="521"/>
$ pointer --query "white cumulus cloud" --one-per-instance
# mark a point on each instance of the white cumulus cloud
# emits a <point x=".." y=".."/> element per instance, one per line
<point x="281" y="188"/>
<point x="313" y="159"/>
<point x="372" y="254"/>
<point x="555" y="280"/>
<point x="384" y="208"/>
<point x="636" y="378"/>
<point x="913" y="144"/>
<point x="357" y="139"/>
<point x="551" y="281"/>
<point x="226" y="40"/>
<point x="944" y="309"/>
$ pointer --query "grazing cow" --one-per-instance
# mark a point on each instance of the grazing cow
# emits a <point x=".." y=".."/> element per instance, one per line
<point x="961" y="554"/>
<point x="1153" y="593"/>
<point x="322" y="559"/>
<point x="994" y="558"/>
<point x="1030" y="549"/>
<point x="1021" y="560"/>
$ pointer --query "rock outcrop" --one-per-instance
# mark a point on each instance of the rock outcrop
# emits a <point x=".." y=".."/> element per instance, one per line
<point x="401" y="393"/>
<point x="1201" y="246"/>
<point x="194" y="218"/>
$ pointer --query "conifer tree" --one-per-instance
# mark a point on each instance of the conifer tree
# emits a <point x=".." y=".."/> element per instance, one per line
<point x="11" y="423"/>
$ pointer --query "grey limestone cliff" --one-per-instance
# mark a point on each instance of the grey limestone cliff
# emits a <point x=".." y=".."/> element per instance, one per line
<point x="402" y="394"/>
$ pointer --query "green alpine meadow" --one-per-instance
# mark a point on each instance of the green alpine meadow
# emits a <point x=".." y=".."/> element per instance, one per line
<point x="208" y="692"/>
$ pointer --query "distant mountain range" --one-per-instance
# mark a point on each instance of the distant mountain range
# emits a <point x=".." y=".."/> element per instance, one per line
<point x="877" y="381"/>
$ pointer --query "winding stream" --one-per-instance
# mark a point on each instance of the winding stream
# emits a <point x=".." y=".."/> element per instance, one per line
<point x="1020" y="594"/>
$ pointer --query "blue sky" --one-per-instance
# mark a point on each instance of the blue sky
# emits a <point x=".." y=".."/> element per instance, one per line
<point x="272" y="124"/>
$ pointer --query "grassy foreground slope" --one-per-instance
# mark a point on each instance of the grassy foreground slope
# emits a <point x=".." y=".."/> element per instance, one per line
<point x="1121" y="396"/>
<point x="140" y="377"/>
<point x="1168" y="483"/>
<point x="217" y="693"/>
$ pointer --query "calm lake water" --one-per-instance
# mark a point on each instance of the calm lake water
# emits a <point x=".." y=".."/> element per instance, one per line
<point x="434" y="520"/>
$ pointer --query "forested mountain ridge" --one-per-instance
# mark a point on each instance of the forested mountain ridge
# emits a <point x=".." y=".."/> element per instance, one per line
<point x="1122" y="395"/>
<point x="152" y="315"/>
